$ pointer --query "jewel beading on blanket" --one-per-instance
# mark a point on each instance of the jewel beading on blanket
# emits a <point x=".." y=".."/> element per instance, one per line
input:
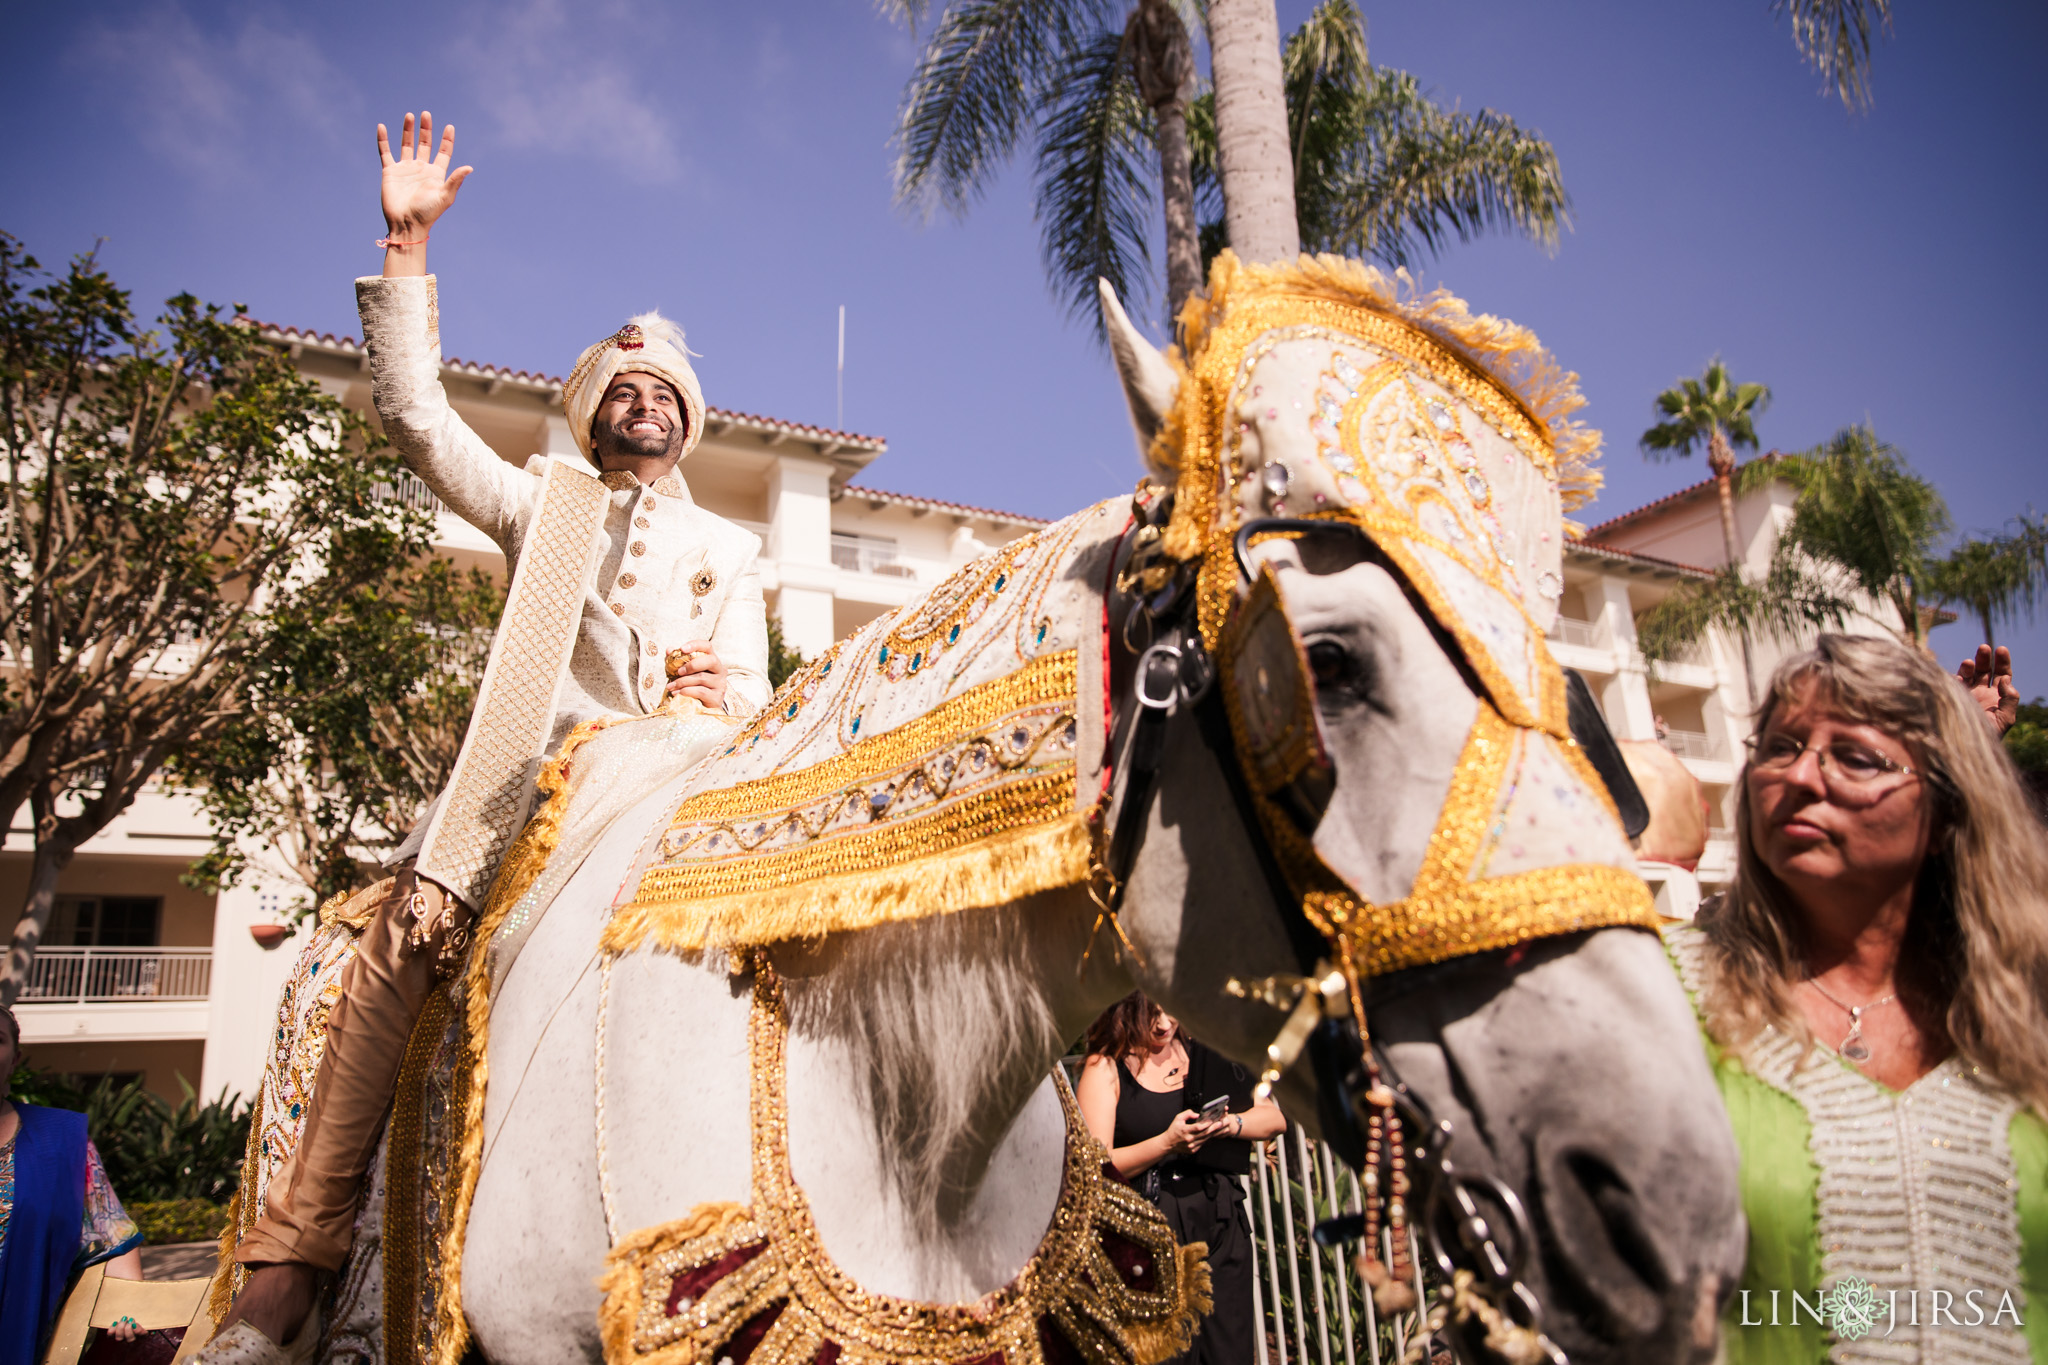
<point x="924" y="764"/>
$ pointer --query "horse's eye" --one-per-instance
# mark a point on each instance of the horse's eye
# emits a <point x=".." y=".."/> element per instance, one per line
<point x="1328" y="663"/>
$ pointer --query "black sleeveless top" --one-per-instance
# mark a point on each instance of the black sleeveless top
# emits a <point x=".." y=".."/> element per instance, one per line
<point x="1143" y="1114"/>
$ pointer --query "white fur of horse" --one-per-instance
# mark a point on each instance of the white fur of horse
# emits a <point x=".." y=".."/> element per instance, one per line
<point x="923" y="1126"/>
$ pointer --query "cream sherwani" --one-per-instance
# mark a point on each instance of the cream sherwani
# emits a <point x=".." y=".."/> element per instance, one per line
<point x="667" y="570"/>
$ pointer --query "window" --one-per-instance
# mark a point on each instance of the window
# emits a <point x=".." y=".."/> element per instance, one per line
<point x="105" y="921"/>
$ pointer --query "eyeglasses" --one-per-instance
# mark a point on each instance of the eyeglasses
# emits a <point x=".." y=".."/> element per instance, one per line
<point x="1844" y="766"/>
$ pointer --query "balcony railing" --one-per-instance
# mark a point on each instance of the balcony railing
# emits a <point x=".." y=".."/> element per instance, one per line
<point x="1570" y="632"/>
<point x="1688" y="744"/>
<point x="82" y="975"/>
<point x="868" y="554"/>
<point x="410" y="491"/>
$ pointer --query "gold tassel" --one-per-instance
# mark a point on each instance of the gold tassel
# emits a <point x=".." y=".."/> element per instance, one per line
<point x="522" y="865"/>
<point x="620" y="1283"/>
<point x="1153" y="1342"/>
<point x="992" y="871"/>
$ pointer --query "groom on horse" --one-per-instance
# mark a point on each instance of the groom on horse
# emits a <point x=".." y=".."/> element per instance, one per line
<point x="676" y="609"/>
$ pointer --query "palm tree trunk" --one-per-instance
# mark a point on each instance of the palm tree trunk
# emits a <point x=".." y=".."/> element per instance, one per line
<point x="1165" y="66"/>
<point x="1251" y="130"/>
<point x="1721" y="460"/>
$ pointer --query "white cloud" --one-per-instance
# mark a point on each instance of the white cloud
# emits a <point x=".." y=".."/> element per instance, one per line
<point x="559" y="79"/>
<point x="215" y="101"/>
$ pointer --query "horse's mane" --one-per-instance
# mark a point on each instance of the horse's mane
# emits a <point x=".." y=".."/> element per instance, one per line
<point x="946" y="1019"/>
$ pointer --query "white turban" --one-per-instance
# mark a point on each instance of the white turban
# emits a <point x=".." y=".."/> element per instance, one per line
<point x="649" y="343"/>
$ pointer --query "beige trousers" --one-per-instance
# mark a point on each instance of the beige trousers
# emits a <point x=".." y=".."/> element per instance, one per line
<point x="417" y="936"/>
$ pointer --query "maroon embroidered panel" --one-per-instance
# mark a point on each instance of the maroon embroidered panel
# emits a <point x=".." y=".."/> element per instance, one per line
<point x="691" y="1284"/>
<point x="1132" y="1261"/>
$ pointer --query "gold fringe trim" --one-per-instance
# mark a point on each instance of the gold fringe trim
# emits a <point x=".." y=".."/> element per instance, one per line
<point x="522" y="865"/>
<point x="1152" y="1343"/>
<point x="989" y="872"/>
<point x="621" y="1281"/>
<point x="1506" y="352"/>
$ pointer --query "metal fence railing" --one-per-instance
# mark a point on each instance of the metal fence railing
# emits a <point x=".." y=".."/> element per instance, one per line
<point x="1313" y="1307"/>
<point x="83" y="975"/>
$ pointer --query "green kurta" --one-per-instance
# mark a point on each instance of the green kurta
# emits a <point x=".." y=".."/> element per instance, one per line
<point x="1781" y="1180"/>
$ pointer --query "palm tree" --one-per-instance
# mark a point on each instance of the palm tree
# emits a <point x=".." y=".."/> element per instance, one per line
<point x="1834" y="37"/>
<point x="1862" y="532"/>
<point x="1380" y="169"/>
<point x="1718" y="414"/>
<point x="1999" y="577"/>
<point x="1371" y="165"/>
<point x="1252" y="132"/>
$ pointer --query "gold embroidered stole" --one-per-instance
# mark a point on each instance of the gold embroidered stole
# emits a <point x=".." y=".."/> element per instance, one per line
<point x="489" y="793"/>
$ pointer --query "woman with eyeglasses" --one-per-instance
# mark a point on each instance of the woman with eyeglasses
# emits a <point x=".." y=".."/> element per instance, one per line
<point x="1874" y="991"/>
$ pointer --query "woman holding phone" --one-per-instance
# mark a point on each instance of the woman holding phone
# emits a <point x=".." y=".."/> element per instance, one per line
<point x="1179" y="1122"/>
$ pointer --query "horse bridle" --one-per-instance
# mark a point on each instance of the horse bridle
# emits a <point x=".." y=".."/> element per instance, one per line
<point x="1480" y="1267"/>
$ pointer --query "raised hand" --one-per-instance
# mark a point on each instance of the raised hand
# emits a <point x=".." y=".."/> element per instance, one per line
<point x="1988" y="678"/>
<point x="418" y="186"/>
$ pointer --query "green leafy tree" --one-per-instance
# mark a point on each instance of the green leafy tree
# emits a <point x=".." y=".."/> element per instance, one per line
<point x="1996" y="578"/>
<point x="178" y="503"/>
<point x="1862" y="532"/>
<point x="315" y="778"/>
<point x="783" y="658"/>
<point x="1370" y="166"/>
<point x="2027" y="740"/>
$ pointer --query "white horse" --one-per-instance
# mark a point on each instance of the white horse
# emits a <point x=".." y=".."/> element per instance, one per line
<point x="922" y="1123"/>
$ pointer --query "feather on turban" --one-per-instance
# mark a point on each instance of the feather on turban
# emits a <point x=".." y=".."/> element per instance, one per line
<point x="649" y="343"/>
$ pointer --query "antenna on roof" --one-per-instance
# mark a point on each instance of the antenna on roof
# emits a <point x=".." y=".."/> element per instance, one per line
<point x="839" y="412"/>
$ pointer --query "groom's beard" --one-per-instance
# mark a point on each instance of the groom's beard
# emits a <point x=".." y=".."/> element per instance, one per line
<point x="608" y="439"/>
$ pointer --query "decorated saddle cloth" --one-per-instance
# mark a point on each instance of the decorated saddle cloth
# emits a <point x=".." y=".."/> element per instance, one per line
<point x="925" y="764"/>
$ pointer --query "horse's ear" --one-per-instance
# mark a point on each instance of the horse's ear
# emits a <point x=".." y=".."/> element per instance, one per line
<point x="1149" y="381"/>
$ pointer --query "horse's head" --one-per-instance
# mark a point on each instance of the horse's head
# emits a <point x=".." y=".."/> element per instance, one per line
<point x="1358" y="536"/>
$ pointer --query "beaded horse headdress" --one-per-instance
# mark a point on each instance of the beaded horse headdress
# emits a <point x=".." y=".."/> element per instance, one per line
<point x="1447" y="440"/>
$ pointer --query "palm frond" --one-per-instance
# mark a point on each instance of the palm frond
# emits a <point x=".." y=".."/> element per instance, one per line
<point x="1834" y="37"/>
<point x="1861" y="508"/>
<point x="1205" y="163"/>
<point x="982" y="75"/>
<point x="1692" y="409"/>
<point x="2000" y="577"/>
<point x="909" y="13"/>
<point x="1097" y="169"/>
<point x="1388" y="173"/>
<point x="1785" y="604"/>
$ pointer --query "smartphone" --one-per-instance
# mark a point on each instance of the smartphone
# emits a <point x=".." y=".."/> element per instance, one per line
<point x="1214" y="1110"/>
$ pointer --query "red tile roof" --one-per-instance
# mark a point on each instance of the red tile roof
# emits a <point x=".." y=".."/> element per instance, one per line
<point x="348" y="345"/>
<point x="936" y="505"/>
<point x="1685" y="494"/>
<point x="1655" y="561"/>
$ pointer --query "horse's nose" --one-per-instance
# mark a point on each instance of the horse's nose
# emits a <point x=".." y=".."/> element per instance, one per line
<point x="1630" y="1283"/>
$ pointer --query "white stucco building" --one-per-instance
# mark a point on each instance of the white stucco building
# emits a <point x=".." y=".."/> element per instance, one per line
<point x="141" y="975"/>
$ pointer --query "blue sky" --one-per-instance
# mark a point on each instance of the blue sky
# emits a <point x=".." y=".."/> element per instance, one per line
<point x="730" y="164"/>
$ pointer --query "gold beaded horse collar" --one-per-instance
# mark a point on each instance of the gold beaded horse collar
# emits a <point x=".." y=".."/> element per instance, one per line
<point x="1109" y="1285"/>
<point x="1315" y="397"/>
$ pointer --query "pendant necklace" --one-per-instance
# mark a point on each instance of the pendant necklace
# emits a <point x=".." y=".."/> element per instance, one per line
<point x="1853" y="1047"/>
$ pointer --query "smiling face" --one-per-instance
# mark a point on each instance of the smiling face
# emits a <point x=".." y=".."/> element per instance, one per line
<point x="1162" y="1032"/>
<point x="1858" y="825"/>
<point x="641" y="417"/>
